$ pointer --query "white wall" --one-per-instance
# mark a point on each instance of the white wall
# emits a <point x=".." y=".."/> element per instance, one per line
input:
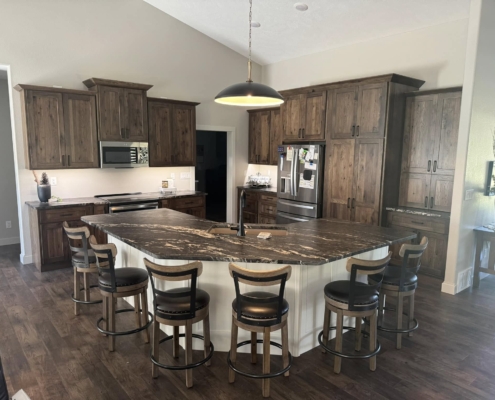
<point x="476" y="146"/>
<point x="66" y="42"/>
<point x="434" y="54"/>
<point x="8" y="201"/>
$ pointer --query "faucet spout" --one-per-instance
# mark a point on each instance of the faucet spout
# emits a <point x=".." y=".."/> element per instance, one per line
<point x="242" y="203"/>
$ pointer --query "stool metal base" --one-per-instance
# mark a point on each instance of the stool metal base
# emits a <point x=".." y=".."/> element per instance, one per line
<point x="188" y="366"/>
<point x="259" y="376"/>
<point x="123" y="333"/>
<point x="349" y="356"/>
<point x="86" y="302"/>
<point x="391" y="330"/>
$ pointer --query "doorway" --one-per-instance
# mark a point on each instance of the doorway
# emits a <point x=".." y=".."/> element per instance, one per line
<point x="211" y="172"/>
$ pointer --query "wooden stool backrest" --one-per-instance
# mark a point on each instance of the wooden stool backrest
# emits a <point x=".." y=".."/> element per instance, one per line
<point x="105" y="260"/>
<point x="76" y="236"/>
<point x="259" y="278"/>
<point x="186" y="272"/>
<point x="365" y="267"/>
<point x="409" y="252"/>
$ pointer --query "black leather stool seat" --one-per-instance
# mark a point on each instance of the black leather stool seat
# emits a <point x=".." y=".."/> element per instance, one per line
<point x="364" y="295"/>
<point x="182" y="304"/>
<point x="392" y="277"/>
<point x="79" y="257"/>
<point x="260" y="310"/>
<point x="124" y="277"/>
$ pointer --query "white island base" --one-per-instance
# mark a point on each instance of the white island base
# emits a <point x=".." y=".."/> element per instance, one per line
<point x="304" y="292"/>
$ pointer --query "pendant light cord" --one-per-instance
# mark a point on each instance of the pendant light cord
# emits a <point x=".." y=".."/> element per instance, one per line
<point x="250" y="19"/>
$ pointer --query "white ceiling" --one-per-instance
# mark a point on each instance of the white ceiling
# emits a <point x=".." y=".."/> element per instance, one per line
<point x="287" y="33"/>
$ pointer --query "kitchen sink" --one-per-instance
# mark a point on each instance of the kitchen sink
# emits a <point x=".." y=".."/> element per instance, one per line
<point x="251" y="230"/>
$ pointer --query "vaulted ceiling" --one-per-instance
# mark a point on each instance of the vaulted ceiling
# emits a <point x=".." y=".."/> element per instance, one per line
<point x="287" y="33"/>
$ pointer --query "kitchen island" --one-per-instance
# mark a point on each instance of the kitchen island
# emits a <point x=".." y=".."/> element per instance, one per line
<point x="317" y="251"/>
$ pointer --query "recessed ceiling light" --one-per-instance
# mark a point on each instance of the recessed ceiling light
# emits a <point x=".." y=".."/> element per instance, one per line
<point x="255" y="24"/>
<point x="301" y="6"/>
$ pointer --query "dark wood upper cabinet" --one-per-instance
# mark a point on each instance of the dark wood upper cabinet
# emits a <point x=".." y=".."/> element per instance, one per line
<point x="429" y="151"/>
<point x="371" y="110"/>
<point x="172" y="132"/>
<point x="275" y="135"/>
<point x="341" y="112"/>
<point x="122" y="110"/>
<point x="304" y="116"/>
<point x="265" y="135"/>
<point x="60" y="126"/>
<point x="254" y="136"/>
<point x="293" y="115"/>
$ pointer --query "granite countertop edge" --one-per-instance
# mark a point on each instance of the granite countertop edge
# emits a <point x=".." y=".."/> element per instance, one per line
<point x="270" y="189"/>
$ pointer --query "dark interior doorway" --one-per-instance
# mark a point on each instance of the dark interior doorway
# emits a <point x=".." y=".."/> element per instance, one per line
<point x="211" y="172"/>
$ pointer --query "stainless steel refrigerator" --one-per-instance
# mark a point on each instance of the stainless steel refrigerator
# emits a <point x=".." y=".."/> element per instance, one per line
<point x="299" y="182"/>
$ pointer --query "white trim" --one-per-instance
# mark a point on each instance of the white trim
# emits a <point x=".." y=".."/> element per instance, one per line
<point x="449" y="288"/>
<point x="26" y="259"/>
<point x="11" y="240"/>
<point x="231" y="186"/>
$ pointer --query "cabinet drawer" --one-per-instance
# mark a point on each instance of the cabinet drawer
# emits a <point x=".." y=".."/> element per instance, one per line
<point x="268" y="199"/>
<point x="100" y="209"/>
<point x="65" y="214"/>
<point x="430" y="224"/>
<point x="167" y="203"/>
<point x="268" y="208"/>
<point x="189" y="202"/>
<point x="251" y="202"/>
<point x="266" y="220"/>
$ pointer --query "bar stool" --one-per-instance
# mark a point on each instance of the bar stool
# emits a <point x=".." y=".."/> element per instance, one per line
<point x="84" y="263"/>
<point x="179" y="307"/>
<point x="401" y="281"/>
<point x="356" y="300"/>
<point x="260" y="312"/>
<point x="116" y="283"/>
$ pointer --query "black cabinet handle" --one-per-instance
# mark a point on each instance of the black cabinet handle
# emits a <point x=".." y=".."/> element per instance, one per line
<point x="432" y="201"/>
<point x="302" y="134"/>
<point x="348" y="202"/>
<point x="417" y="222"/>
<point x="122" y="133"/>
<point x="357" y="130"/>
<point x="128" y="133"/>
<point x="429" y="166"/>
<point x="435" y="166"/>
<point x="299" y="135"/>
<point x="66" y="215"/>
<point x="353" y="132"/>
<point x="426" y="201"/>
<point x="63" y="161"/>
<point x="68" y="160"/>
<point x="353" y="205"/>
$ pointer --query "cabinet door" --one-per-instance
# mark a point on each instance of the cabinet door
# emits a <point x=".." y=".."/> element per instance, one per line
<point x="314" y="119"/>
<point x="419" y="134"/>
<point x="449" y="112"/>
<point x="183" y="135"/>
<point x="368" y="161"/>
<point x="395" y="248"/>
<point x="371" y="111"/>
<point x="338" y="179"/>
<point x="250" y="218"/>
<point x="414" y="190"/>
<point x="441" y="189"/>
<point x="136" y="115"/>
<point x="341" y="112"/>
<point x="80" y="131"/>
<point x="111" y="114"/>
<point x="160" y="134"/>
<point x="264" y="138"/>
<point x="254" y="136"/>
<point x="196" y="211"/>
<point x="45" y="129"/>
<point x="434" y="258"/>
<point x="263" y="219"/>
<point x="101" y="237"/>
<point x="54" y="245"/>
<point x="294" y="118"/>
<point x="275" y="135"/>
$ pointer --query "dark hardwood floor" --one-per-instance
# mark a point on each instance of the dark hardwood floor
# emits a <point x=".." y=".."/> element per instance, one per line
<point x="52" y="354"/>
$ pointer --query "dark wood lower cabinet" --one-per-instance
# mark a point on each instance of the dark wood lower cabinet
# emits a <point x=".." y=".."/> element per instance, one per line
<point x="49" y="243"/>
<point x="261" y="207"/>
<point x="192" y="205"/>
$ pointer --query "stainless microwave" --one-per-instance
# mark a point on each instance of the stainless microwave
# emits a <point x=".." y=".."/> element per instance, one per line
<point x="124" y="154"/>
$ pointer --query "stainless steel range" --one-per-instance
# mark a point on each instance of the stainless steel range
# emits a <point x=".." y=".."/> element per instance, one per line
<point x="123" y="202"/>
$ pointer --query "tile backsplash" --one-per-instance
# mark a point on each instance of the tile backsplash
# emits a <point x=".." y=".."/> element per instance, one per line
<point x="268" y="170"/>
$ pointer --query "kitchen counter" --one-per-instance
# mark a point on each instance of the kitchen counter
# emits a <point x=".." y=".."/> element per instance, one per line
<point x="418" y="211"/>
<point x="85" y="201"/>
<point x="167" y="234"/>
<point x="269" y="189"/>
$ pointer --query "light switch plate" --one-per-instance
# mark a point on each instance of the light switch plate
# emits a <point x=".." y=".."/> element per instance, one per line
<point x="172" y="175"/>
<point x="185" y="175"/>
<point x="53" y="181"/>
<point x="469" y="194"/>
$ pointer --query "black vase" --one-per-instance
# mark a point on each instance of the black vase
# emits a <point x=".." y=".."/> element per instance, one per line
<point x="44" y="193"/>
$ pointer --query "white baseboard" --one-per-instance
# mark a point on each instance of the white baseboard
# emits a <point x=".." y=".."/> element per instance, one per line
<point x="7" y="241"/>
<point x="448" y="288"/>
<point x="26" y="259"/>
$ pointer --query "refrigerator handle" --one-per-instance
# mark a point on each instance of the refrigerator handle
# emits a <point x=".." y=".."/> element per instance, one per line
<point x="296" y="175"/>
<point x="293" y="175"/>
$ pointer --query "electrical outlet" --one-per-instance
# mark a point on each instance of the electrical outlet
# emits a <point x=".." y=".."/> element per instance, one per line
<point x="185" y="175"/>
<point x="8" y="224"/>
<point x="53" y="181"/>
<point x="469" y="194"/>
<point x="172" y="175"/>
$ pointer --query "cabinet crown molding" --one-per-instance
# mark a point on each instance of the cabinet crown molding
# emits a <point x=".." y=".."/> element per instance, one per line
<point x="91" y="82"/>
<point x="21" y="87"/>
<point x="171" y="101"/>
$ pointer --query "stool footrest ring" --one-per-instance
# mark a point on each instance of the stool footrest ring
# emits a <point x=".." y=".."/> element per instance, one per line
<point x="344" y="355"/>
<point x="86" y="302"/>
<point x="259" y="376"/>
<point x="123" y="333"/>
<point x="188" y="366"/>
<point x="392" y="330"/>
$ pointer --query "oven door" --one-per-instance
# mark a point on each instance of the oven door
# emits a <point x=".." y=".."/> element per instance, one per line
<point x="132" y="207"/>
<point x="123" y="154"/>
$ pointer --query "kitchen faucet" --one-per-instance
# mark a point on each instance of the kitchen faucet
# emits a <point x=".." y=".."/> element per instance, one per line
<point x="242" y="203"/>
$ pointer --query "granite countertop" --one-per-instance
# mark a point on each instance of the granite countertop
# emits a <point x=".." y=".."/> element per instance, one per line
<point x="269" y="189"/>
<point x="419" y="211"/>
<point x="168" y="234"/>
<point x="86" y="201"/>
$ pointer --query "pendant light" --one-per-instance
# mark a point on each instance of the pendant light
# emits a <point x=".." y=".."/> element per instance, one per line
<point x="249" y="93"/>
